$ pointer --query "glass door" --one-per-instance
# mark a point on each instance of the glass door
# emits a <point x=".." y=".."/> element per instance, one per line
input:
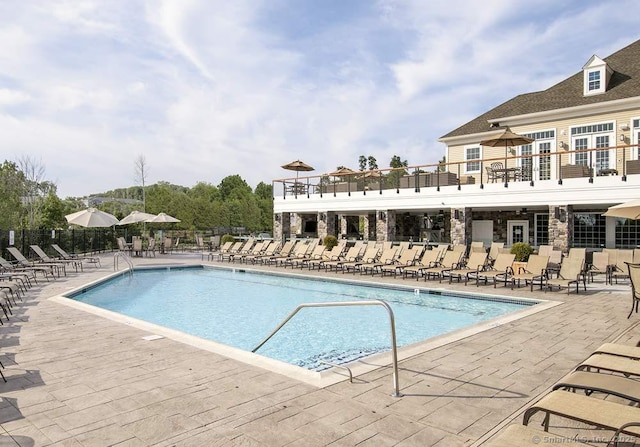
<point x="517" y="231"/>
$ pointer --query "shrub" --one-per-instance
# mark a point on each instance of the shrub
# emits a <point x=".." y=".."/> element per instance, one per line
<point x="227" y="238"/>
<point x="522" y="250"/>
<point x="330" y="242"/>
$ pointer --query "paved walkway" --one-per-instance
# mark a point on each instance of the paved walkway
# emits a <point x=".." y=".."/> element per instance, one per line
<point x="77" y="379"/>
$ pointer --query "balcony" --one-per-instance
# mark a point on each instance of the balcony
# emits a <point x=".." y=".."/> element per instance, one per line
<point x="563" y="173"/>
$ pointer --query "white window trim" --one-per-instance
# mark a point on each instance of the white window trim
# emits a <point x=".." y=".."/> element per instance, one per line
<point x="468" y="160"/>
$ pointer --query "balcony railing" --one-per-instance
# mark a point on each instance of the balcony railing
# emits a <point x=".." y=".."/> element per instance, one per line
<point x="560" y="165"/>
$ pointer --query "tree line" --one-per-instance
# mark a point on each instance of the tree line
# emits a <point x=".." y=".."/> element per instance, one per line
<point x="28" y="201"/>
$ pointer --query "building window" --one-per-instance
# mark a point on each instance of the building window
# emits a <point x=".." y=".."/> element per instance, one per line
<point x="589" y="230"/>
<point x="627" y="233"/>
<point x="472" y="153"/>
<point x="541" y="229"/>
<point x="594" y="80"/>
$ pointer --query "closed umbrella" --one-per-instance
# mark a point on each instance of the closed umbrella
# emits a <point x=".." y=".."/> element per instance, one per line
<point x="628" y="210"/>
<point x="92" y="218"/>
<point x="507" y="139"/>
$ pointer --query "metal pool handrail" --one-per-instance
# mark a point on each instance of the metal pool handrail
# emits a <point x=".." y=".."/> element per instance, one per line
<point x="394" y="349"/>
<point x="127" y="259"/>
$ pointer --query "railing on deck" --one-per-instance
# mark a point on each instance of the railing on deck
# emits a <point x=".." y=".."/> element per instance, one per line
<point x="557" y="166"/>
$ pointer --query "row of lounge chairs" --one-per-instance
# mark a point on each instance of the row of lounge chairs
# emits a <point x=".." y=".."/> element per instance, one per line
<point x="602" y="392"/>
<point x="19" y="276"/>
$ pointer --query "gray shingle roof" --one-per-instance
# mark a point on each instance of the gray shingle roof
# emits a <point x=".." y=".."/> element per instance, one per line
<point x="624" y="83"/>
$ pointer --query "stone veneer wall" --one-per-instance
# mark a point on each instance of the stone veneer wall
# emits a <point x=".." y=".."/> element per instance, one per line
<point x="461" y="227"/>
<point x="386" y="228"/>
<point x="281" y="226"/>
<point x="559" y="231"/>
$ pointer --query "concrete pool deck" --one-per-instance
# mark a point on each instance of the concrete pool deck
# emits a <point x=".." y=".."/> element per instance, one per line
<point x="78" y="379"/>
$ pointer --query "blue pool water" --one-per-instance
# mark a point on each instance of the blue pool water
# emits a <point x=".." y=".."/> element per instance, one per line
<point x="240" y="309"/>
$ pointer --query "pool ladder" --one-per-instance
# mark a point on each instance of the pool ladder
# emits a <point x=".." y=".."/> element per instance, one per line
<point x="127" y="259"/>
<point x="394" y="349"/>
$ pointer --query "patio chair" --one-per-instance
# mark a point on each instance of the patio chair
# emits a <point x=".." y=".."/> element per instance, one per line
<point x="334" y="254"/>
<point x="494" y="172"/>
<point x="95" y="260"/>
<point x="611" y="363"/>
<point x="478" y="246"/>
<point x="11" y="268"/>
<point x="450" y="261"/>
<point x="387" y="257"/>
<point x="285" y="251"/>
<point x="571" y="272"/>
<point x="501" y="267"/>
<point x="406" y="259"/>
<point x="316" y="254"/>
<point x="254" y="251"/>
<point x="228" y="254"/>
<point x="474" y="264"/>
<point x="599" y="266"/>
<point x="61" y="263"/>
<point x="610" y="384"/>
<point x="599" y="413"/>
<point x="353" y="254"/>
<point x="369" y="257"/>
<point x="634" y="277"/>
<point x="494" y="251"/>
<point x="620" y="270"/>
<point x="269" y="250"/>
<point x="24" y="262"/>
<point x="535" y="267"/>
<point x="522" y="436"/>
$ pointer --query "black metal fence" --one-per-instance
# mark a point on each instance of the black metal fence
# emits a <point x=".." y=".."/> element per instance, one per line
<point x="89" y="240"/>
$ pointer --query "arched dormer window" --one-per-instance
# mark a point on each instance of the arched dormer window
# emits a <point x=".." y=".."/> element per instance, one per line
<point x="596" y="76"/>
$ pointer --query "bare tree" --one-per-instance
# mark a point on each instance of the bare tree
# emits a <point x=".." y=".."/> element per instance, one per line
<point x="141" y="174"/>
<point x="35" y="188"/>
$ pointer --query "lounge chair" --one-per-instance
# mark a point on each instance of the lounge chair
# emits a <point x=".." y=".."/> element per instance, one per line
<point x="228" y="254"/>
<point x="387" y="257"/>
<point x="95" y="260"/>
<point x="406" y="259"/>
<point x="24" y="262"/>
<point x="334" y="254"/>
<point x="353" y="254"/>
<point x="477" y="246"/>
<point x="494" y="251"/>
<point x="474" y="264"/>
<point x="501" y="267"/>
<point x="620" y="270"/>
<point x="316" y="254"/>
<point x="536" y="266"/>
<point x="611" y="363"/>
<point x="245" y="249"/>
<point x="11" y="268"/>
<point x="634" y="277"/>
<point x="429" y="258"/>
<point x="254" y="251"/>
<point x="522" y="435"/>
<point x="450" y="261"/>
<point x="60" y="262"/>
<point x="285" y="251"/>
<point x="588" y="410"/>
<point x="369" y="257"/>
<point x="223" y="249"/>
<point x="571" y="272"/>
<point x="151" y="247"/>
<point x="610" y="384"/>
<point x="269" y="250"/>
<point x="298" y="251"/>
<point x="599" y="266"/>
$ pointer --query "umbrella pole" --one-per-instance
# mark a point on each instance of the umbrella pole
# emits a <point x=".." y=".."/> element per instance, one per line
<point x="506" y="173"/>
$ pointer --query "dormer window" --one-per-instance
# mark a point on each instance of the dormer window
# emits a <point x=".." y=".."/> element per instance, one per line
<point x="596" y="76"/>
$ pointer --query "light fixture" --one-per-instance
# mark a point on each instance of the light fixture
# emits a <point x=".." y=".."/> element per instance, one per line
<point x="323" y="217"/>
<point x="622" y="137"/>
<point x="624" y="126"/>
<point x="456" y="214"/>
<point x="277" y="217"/>
<point x="564" y="145"/>
<point x="382" y="215"/>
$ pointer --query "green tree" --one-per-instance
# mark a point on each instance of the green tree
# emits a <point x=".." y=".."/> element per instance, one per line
<point x="393" y="178"/>
<point x="53" y="212"/>
<point x="11" y="190"/>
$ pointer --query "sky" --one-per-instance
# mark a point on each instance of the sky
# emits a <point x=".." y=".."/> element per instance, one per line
<point x="204" y="89"/>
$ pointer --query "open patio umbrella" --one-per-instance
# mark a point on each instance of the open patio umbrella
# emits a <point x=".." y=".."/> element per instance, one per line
<point x="628" y="210"/>
<point x="343" y="172"/>
<point x="162" y="218"/>
<point x="136" y="217"/>
<point x="297" y="166"/>
<point x="507" y="139"/>
<point x="92" y="218"/>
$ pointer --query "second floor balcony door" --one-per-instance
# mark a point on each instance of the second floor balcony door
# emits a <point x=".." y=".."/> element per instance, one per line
<point x="540" y="165"/>
<point x="603" y="158"/>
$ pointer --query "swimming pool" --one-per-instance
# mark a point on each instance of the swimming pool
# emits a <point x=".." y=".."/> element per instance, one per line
<point x="239" y="309"/>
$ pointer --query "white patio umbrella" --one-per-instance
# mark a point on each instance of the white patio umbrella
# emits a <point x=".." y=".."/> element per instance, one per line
<point x="135" y="217"/>
<point x="92" y="218"/>
<point x="628" y="210"/>
<point x="163" y="218"/>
